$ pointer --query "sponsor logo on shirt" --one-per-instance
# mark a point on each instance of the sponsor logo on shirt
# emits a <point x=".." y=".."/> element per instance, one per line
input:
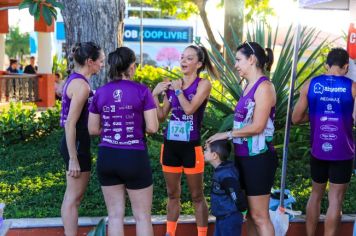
<point x="129" y="129"/>
<point x="327" y="147"/>
<point x="328" y="136"/>
<point x="117" y="136"/>
<point x="117" y="130"/>
<point x="117" y="95"/>
<point x="318" y="88"/>
<point x="329" y="128"/>
<point x="106" y="109"/>
<point x="325" y="118"/>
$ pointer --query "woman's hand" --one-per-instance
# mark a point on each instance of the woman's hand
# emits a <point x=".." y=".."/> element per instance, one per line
<point x="160" y="87"/>
<point x="73" y="168"/>
<point x="217" y="136"/>
<point x="177" y="84"/>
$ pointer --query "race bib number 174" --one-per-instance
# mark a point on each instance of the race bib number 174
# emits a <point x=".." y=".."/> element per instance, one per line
<point x="178" y="130"/>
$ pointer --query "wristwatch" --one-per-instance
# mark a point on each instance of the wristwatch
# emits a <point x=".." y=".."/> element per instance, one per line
<point x="177" y="92"/>
<point x="229" y="135"/>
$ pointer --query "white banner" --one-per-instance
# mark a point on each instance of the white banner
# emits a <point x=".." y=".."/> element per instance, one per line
<point x="325" y="4"/>
<point x="306" y="3"/>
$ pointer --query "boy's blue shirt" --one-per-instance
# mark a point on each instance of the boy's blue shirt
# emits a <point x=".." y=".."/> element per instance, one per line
<point x="225" y="180"/>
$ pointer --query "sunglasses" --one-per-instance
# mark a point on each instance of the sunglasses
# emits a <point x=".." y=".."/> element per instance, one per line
<point x="253" y="50"/>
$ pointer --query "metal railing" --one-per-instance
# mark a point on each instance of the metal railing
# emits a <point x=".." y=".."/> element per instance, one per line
<point x="19" y="87"/>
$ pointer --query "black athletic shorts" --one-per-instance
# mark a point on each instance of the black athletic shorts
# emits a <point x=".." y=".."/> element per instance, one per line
<point x="257" y="173"/>
<point x="124" y="166"/>
<point x="337" y="172"/>
<point x="82" y="144"/>
<point x="179" y="156"/>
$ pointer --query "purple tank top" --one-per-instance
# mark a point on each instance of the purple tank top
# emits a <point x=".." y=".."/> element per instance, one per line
<point x="243" y="147"/>
<point x="330" y="113"/>
<point x="121" y="105"/>
<point x="82" y="122"/>
<point x="178" y="114"/>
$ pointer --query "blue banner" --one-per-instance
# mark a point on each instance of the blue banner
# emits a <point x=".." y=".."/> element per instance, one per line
<point x="166" y="34"/>
<point x="60" y="33"/>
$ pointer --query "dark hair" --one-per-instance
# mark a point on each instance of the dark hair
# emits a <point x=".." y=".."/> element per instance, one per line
<point x="81" y="52"/>
<point x="204" y="58"/>
<point x="264" y="56"/>
<point x="12" y="61"/>
<point x="32" y="57"/>
<point x="222" y="148"/>
<point x="120" y="61"/>
<point x="337" y="57"/>
<point x="58" y="75"/>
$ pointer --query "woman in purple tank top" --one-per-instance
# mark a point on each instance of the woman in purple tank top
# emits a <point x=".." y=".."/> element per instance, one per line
<point x="252" y="135"/>
<point x="122" y="112"/>
<point x="86" y="59"/>
<point x="182" y="152"/>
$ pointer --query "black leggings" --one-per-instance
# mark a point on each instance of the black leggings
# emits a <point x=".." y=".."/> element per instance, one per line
<point x="130" y="167"/>
<point x="82" y="144"/>
<point x="257" y="173"/>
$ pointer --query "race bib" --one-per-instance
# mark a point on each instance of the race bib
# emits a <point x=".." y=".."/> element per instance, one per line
<point x="178" y="130"/>
<point x="238" y="125"/>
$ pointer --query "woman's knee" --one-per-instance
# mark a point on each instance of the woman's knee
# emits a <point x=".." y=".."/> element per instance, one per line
<point x="142" y="216"/>
<point x="259" y="217"/>
<point x="198" y="197"/>
<point x="173" y="194"/>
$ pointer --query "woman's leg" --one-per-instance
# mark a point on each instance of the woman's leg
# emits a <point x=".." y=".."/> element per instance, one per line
<point x="114" y="197"/>
<point x="195" y="184"/>
<point x="73" y="195"/>
<point x="141" y="203"/>
<point x="259" y="215"/>
<point x="173" y="184"/>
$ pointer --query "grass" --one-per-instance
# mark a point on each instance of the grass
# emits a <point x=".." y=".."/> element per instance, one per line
<point x="33" y="182"/>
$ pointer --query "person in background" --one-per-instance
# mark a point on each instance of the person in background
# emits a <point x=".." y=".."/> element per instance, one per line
<point x="13" y="66"/>
<point x="228" y="202"/>
<point x="328" y="103"/>
<point x="20" y="69"/>
<point x="58" y="86"/>
<point x="85" y="59"/>
<point x="31" y="68"/>
<point x="122" y="112"/>
<point x="252" y="134"/>
<point x="182" y="151"/>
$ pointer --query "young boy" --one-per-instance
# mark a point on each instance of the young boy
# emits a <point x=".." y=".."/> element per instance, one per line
<point x="227" y="199"/>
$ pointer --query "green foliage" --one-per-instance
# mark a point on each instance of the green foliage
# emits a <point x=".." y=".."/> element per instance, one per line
<point x="181" y="9"/>
<point x="60" y="66"/>
<point x="17" y="44"/>
<point x="151" y="76"/>
<point x="47" y="8"/>
<point x="225" y="98"/>
<point x="259" y="9"/>
<point x="32" y="174"/>
<point x="22" y="124"/>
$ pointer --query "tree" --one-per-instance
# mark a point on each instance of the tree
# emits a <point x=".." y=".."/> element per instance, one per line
<point x="97" y="21"/>
<point x="17" y="44"/>
<point x="168" y="55"/>
<point x="234" y="14"/>
<point x="234" y="23"/>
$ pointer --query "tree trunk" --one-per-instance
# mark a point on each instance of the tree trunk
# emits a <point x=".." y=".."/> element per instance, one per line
<point x="203" y="15"/>
<point x="234" y="22"/>
<point x="97" y="21"/>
